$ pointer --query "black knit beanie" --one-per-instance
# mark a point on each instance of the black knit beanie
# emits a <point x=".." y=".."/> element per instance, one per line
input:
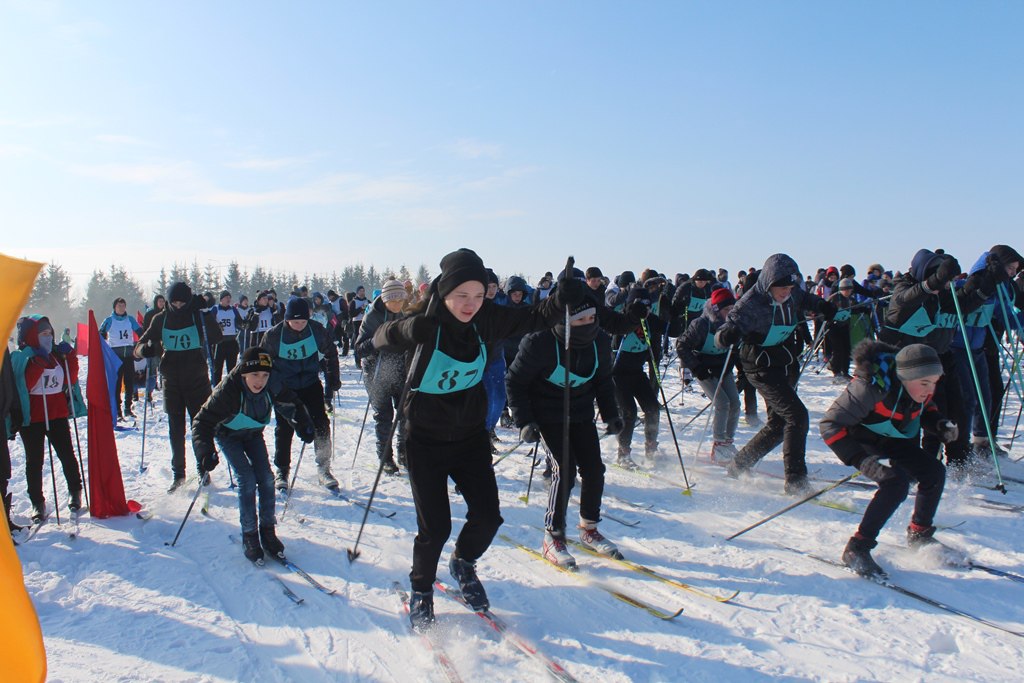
<point x="458" y="267"/>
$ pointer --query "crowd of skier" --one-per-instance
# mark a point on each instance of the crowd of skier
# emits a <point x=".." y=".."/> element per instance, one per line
<point x="933" y="348"/>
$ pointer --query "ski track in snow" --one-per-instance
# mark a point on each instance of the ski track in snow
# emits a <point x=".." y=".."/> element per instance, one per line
<point x="116" y="604"/>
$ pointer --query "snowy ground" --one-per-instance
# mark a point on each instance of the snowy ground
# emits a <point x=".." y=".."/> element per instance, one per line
<point x="117" y="604"/>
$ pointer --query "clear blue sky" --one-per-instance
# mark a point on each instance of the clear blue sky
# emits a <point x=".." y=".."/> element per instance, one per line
<point x="309" y="135"/>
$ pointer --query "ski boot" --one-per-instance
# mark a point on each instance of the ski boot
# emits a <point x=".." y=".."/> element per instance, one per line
<point x="421" y="610"/>
<point x="472" y="590"/>
<point x="624" y="461"/>
<point x="389" y="466"/>
<point x="650" y="451"/>
<point x="7" y="508"/>
<point x="271" y="543"/>
<point x="798" y="486"/>
<point x="595" y="540"/>
<point x="75" y="502"/>
<point x="38" y="511"/>
<point x="723" y="451"/>
<point x="252" y="548"/>
<point x="736" y="469"/>
<point x="281" y="480"/>
<point x="176" y="484"/>
<point x="554" y="551"/>
<point x="327" y="479"/>
<point x="919" y="536"/>
<point x="857" y="556"/>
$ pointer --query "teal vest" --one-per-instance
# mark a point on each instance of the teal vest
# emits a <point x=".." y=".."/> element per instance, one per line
<point x="710" y="348"/>
<point x="185" y="339"/>
<point x="304" y="348"/>
<point x="777" y="333"/>
<point x="696" y="304"/>
<point x="445" y="375"/>
<point x="557" y="376"/>
<point x="888" y="429"/>
<point x="254" y="413"/>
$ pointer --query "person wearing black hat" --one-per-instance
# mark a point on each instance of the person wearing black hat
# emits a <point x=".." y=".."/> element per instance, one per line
<point x="879" y="416"/>
<point x="225" y="353"/>
<point x="235" y="415"/>
<point x="536" y="386"/>
<point x="263" y="315"/>
<point x="180" y="335"/>
<point x="357" y="309"/>
<point x="296" y="345"/>
<point x="120" y="329"/>
<point x="153" y="364"/>
<point x="446" y="416"/>
<point x="766" y="320"/>
<point x="689" y="299"/>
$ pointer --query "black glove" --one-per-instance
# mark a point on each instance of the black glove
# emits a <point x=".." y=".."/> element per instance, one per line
<point x="147" y="350"/>
<point x="994" y="266"/>
<point x="206" y="455"/>
<point x="423" y="329"/>
<point x="726" y="336"/>
<point x="871" y="468"/>
<point x="828" y="310"/>
<point x="570" y="292"/>
<point x="947" y="431"/>
<point x="637" y="311"/>
<point x="982" y="283"/>
<point x="614" y="426"/>
<point x="333" y="382"/>
<point x="64" y="349"/>
<point x="703" y="372"/>
<point x="657" y="281"/>
<point x="198" y="303"/>
<point x="530" y="433"/>
<point x="947" y="271"/>
<point x="304" y="428"/>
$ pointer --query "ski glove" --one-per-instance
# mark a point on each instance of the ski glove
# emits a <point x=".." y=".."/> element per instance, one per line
<point x="829" y="310"/>
<point x="206" y="455"/>
<point x="874" y="470"/>
<point x="994" y="266"/>
<point x="333" y="382"/>
<point x="947" y="431"/>
<point x="947" y="271"/>
<point x="614" y="426"/>
<point x="147" y="350"/>
<point x="304" y="428"/>
<point x="530" y="433"/>
<point x="423" y="329"/>
<point x="570" y="292"/>
<point x="726" y="336"/>
<point x="638" y="310"/>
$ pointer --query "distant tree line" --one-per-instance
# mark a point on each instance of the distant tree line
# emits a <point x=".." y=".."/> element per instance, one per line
<point x="52" y="295"/>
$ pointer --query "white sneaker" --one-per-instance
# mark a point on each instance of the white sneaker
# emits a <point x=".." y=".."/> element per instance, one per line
<point x="554" y="551"/>
<point x="626" y="462"/>
<point x="593" y="539"/>
<point x="723" y="451"/>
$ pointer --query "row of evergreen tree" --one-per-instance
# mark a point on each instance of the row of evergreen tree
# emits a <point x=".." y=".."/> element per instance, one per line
<point x="53" y="296"/>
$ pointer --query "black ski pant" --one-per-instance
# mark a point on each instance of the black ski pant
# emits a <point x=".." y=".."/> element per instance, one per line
<point x="996" y="387"/>
<point x="839" y="338"/>
<point x="585" y="456"/>
<point x="312" y="396"/>
<point x="181" y="396"/>
<point x="630" y="385"/>
<point x="352" y="336"/>
<point x="948" y="399"/>
<point x="225" y="355"/>
<point x="59" y="434"/>
<point x="907" y="463"/>
<point x="468" y="464"/>
<point x="125" y="379"/>
<point x="748" y="391"/>
<point x="787" y="421"/>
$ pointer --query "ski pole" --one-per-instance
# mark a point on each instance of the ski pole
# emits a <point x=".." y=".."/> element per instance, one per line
<point x="688" y="491"/>
<point x="363" y="427"/>
<point x="507" y="453"/>
<point x="800" y="502"/>
<point x="1000" y="486"/>
<point x="203" y="480"/>
<point x="533" y="466"/>
<point x="145" y="414"/>
<point x="718" y="387"/>
<point x="295" y="475"/>
<point x="49" y="446"/>
<point x="566" y="396"/>
<point x="74" y="419"/>
<point x="353" y="552"/>
<point x="817" y="342"/>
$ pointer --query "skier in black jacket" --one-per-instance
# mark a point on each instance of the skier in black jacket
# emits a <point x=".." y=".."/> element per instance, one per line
<point x="235" y="415"/>
<point x="446" y="417"/>
<point x="181" y="336"/>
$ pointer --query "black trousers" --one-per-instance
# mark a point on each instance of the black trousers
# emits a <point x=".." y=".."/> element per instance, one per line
<point x="948" y="399"/>
<point x="636" y="385"/>
<point x="59" y="435"/>
<point x="468" y="464"/>
<point x="225" y="355"/>
<point x="312" y="396"/>
<point x="384" y="396"/>
<point x="585" y="456"/>
<point x="748" y="391"/>
<point x="787" y="421"/>
<point x="839" y="338"/>
<point x="908" y="463"/>
<point x="181" y="396"/>
<point x="125" y="378"/>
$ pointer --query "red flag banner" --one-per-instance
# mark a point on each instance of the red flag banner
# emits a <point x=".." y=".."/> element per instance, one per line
<point x="106" y="488"/>
<point x="82" y="340"/>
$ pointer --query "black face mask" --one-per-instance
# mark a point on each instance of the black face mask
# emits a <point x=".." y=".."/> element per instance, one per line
<point x="581" y="335"/>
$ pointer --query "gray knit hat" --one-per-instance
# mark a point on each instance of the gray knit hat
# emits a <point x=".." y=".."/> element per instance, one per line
<point x="916" y="361"/>
<point x="393" y="289"/>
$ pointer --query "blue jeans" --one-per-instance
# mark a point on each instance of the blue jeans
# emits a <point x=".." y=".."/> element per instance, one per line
<point x="248" y="456"/>
<point x="970" y="392"/>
